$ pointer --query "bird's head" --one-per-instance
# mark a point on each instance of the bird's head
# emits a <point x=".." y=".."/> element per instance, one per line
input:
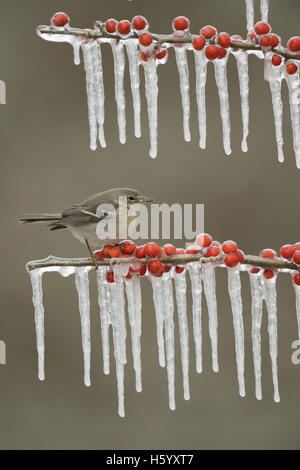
<point x="132" y="197"/>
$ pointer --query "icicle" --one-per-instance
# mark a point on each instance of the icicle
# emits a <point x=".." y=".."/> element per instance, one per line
<point x="221" y="80"/>
<point x="119" y="66"/>
<point x="37" y="299"/>
<point x="195" y="276"/>
<point x="115" y="298"/>
<point x="76" y="43"/>
<point x="234" y="289"/>
<point x="150" y="69"/>
<point x="250" y="14"/>
<point x="264" y="9"/>
<point x="183" y="70"/>
<point x="132" y="53"/>
<point x="158" y="304"/>
<point x="133" y="292"/>
<point x="91" y="93"/>
<point x="180" y="289"/>
<point x="168" y="311"/>
<point x="297" y="294"/>
<point x="274" y="76"/>
<point x="209" y="283"/>
<point x="294" y="95"/>
<point x="82" y="286"/>
<point x="105" y="319"/>
<point x="243" y="73"/>
<point x="256" y="313"/>
<point x="201" y="72"/>
<point x="99" y="90"/>
<point x="270" y="299"/>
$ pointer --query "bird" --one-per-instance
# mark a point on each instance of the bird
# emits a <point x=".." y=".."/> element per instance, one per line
<point x="82" y="219"/>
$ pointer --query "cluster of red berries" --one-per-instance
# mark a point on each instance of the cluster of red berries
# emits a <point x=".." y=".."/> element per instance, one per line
<point x="262" y="35"/>
<point x="215" y="44"/>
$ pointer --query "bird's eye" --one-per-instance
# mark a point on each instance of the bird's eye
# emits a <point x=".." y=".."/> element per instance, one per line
<point x="131" y="198"/>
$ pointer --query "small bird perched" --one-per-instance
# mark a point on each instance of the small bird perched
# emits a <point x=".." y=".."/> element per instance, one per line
<point x="82" y="219"/>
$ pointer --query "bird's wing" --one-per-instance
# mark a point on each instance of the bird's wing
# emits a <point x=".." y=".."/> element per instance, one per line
<point x="79" y="214"/>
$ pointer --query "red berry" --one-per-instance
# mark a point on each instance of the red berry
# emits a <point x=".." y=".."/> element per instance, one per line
<point x="128" y="247"/>
<point x="143" y="270"/>
<point x="145" y="39"/>
<point x="297" y="245"/>
<point x="161" y="54"/>
<point x="110" y="276"/>
<point x="275" y="40"/>
<point x="224" y="40"/>
<point x="98" y="254"/>
<point x="152" y="250"/>
<point x="266" y="41"/>
<point x="114" y="252"/>
<point x="208" y="32"/>
<point x="291" y="68"/>
<point x="191" y="250"/>
<point x="139" y="23"/>
<point x="216" y="243"/>
<point x="287" y="251"/>
<point x="262" y="28"/>
<point x="105" y="250"/>
<point x="124" y="27"/>
<point x="181" y="23"/>
<point x="179" y="269"/>
<point x="169" y="249"/>
<point x="140" y="252"/>
<point x="179" y="251"/>
<point x="213" y="251"/>
<point x="167" y="268"/>
<point x="222" y="53"/>
<point x="204" y="240"/>
<point x="276" y="60"/>
<point x="199" y="43"/>
<point x="156" y="268"/>
<point x="110" y="26"/>
<point x="296" y="257"/>
<point x="240" y="256"/>
<point x="269" y="273"/>
<point x="231" y="260"/>
<point x="253" y="37"/>
<point x="294" y="44"/>
<point x="229" y="247"/>
<point x="60" y="19"/>
<point x="143" y="56"/>
<point x="296" y="279"/>
<point x="128" y="276"/>
<point x="268" y="253"/>
<point x="254" y="270"/>
<point x="234" y="39"/>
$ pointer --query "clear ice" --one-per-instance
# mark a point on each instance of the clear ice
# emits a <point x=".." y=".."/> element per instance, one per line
<point x="134" y="302"/>
<point x="274" y="76"/>
<point x="221" y="81"/>
<point x="201" y="73"/>
<point x="250" y="14"/>
<point x="209" y="283"/>
<point x="195" y="276"/>
<point x="151" y="89"/>
<point x="119" y="67"/>
<point x="183" y="71"/>
<point x="297" y="294"/>
<point x="294" y="95"/>
<point x="132" y="53"/>
<point x="264" y="9"/>
<point x="256" y="314"/>
<point x="243" y="73"/>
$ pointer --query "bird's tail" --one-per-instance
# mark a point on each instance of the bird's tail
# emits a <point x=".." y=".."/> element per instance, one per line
<point x="35" y="218"/>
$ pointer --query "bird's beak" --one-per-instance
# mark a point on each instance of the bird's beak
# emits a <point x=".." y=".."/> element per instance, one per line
<point x="145" y="199"/>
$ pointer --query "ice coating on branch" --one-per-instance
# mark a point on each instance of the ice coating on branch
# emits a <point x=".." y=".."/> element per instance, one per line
<point x="134" y="302"/>
<point x="294" y="98"/>
<point x="159" y="314"/>
<point x="180" y="290"/>
<point x="243" y="73"/>
<point x="132" y="54"/>
<point x="151" y="89"/>
<point x="75" y="42"/>
<point x="37" y="299"/>
<point x="256" y="314"/>
<point x="91" y="92"/>
<point x="105" y="319"/>
<point x="168" y="312"/>
<point x="115" y="294"/>
<point x="195" y="276"/>
<point x="297" y="294"/>
<point x="183" y="71"/>
<point x="221" y="81"/>
<point x="250" y="14"/>
<point x="271" y="303"/>
<point x="201" y="72"/>
<point x="209" y="283"/>
<point x="234" y="289"/>
<point x="264" y="9"/>
<point x="274" y="76"/>
<point x="82" y="286"/>
<point x="119" y="67"/>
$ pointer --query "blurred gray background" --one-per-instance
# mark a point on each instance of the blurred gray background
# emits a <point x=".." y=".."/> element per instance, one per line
<point x="46" y="165"/>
